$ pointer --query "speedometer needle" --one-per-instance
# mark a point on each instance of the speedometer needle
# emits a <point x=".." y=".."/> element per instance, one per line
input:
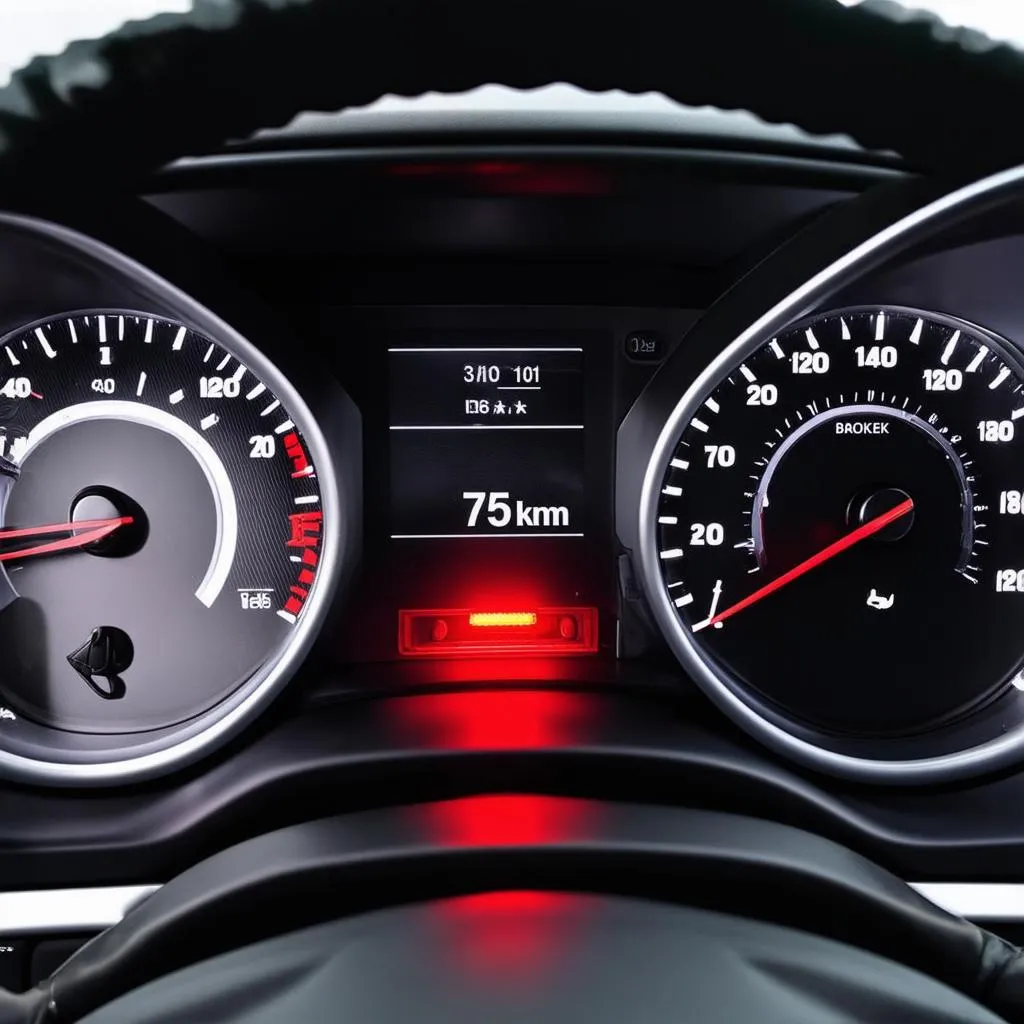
<point x="872" y="526"/>
<point x="91" y="530"/>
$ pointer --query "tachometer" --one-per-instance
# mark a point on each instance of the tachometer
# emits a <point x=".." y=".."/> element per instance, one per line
<point x="839" y="528"/>
<point x="164" y="528"/>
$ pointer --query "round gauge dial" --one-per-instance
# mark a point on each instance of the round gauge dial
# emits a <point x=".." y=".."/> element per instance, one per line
<point x="162" y="524"/>
<point x="840" y="526"/>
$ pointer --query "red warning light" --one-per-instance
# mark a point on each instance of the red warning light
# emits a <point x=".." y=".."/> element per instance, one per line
<point x="448" y="632"/>
<point x="496" y="620"/>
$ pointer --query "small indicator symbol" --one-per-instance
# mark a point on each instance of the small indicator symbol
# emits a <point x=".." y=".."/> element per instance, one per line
<point x="107" y="653"/>
<point x="876" y="600"/>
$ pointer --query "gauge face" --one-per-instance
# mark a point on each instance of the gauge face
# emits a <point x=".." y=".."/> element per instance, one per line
<point x="840" y="529"/>
<point x="162" y="524"/>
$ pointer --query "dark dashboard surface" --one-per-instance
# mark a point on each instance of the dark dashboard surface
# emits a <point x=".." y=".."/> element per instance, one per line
<point x="610" y="253"/>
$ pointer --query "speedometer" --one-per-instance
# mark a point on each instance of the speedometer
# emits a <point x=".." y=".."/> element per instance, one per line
<point x="839" y="534"/>
<point x="166" y="533"/>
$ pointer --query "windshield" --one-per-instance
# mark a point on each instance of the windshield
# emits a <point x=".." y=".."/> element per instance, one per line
<point x="31" y="27"/>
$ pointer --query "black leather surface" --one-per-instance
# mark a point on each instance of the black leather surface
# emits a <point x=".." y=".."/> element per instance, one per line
<point x="325" y="869"/>
<point x="547" y="958"/>
<point x="103" y="113"/>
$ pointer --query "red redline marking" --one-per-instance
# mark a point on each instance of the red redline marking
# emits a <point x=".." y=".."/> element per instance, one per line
<point x="305" y="529"/>
<point x="294" y="450"/>
<point x="305" y="533"/>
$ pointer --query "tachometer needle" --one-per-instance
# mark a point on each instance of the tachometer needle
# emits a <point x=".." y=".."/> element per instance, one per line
<point x="872" y="526"/>
<point x="86" y="531"/>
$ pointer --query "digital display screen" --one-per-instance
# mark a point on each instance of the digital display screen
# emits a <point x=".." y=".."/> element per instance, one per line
<point x="487" y="442"/>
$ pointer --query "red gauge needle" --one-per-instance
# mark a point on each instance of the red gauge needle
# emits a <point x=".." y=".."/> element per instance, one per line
<point x="872" y="526"/>
<point x="92" y="530"/>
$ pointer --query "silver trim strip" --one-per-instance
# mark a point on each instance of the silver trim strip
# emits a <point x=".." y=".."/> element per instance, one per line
<point x="67" y="910"/>
<point x="52" y="911"/>
<point x="1008" y="748"/>
<point x="977" y="901"/>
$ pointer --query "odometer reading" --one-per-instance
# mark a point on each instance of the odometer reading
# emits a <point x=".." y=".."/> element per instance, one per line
<point x="161" y="528"/>
<point x="487" y="442"/>
<point x="840" y="526"/>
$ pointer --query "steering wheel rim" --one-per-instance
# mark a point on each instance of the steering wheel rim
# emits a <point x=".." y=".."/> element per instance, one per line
<point x="335" y="867"/>
<point x="892" y="80"/>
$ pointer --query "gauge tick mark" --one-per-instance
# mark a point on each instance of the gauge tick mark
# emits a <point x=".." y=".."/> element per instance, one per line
<point x="948" y="351"/>
<point x="45" y="342"/>
<point x="999" y="378"/>
<point x="972" y="366"/>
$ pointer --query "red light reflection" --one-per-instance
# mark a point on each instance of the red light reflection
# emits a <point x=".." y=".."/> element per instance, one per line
<point x="506" y="177"/>
<point x="496" y="720"/>
<point x="506" y="820"/>
<point x="512" y="901"/>
<point x="518" y="935"/>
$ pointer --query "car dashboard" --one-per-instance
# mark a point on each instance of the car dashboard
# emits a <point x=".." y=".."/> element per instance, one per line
<point x="490" y="441"/>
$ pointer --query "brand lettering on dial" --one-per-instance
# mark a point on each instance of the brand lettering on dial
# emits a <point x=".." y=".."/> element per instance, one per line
<point x="869" y="427"/>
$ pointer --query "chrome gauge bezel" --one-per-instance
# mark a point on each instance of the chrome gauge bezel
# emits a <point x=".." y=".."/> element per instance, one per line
<point x="41" y="755"/>
<point x="816" y="751"/>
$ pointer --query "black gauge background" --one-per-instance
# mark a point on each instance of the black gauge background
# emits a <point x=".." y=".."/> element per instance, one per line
<point x="955" y="649"/>
<point x="187" y="656"/>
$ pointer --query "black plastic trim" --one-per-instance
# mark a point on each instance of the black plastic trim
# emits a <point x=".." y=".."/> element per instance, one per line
<point x="811" y="169"/>
<point x="348" y="755"/>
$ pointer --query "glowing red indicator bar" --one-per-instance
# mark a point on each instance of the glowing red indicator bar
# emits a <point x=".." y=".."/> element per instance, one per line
<point x="451" y="632"/>
<point x="491" y="620"/>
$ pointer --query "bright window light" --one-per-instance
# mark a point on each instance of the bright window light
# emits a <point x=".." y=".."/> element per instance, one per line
<point x="32" y="27"/>
<point x="1000" y="19"/>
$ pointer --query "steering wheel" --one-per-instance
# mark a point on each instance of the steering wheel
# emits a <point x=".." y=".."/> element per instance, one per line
<point x="179" y="84"/>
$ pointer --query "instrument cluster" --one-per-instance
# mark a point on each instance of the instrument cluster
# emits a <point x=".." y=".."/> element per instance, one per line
<point x="817" y="519"/>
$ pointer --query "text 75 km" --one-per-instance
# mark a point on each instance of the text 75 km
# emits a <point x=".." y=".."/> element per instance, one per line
<point x="501" y="510"/>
